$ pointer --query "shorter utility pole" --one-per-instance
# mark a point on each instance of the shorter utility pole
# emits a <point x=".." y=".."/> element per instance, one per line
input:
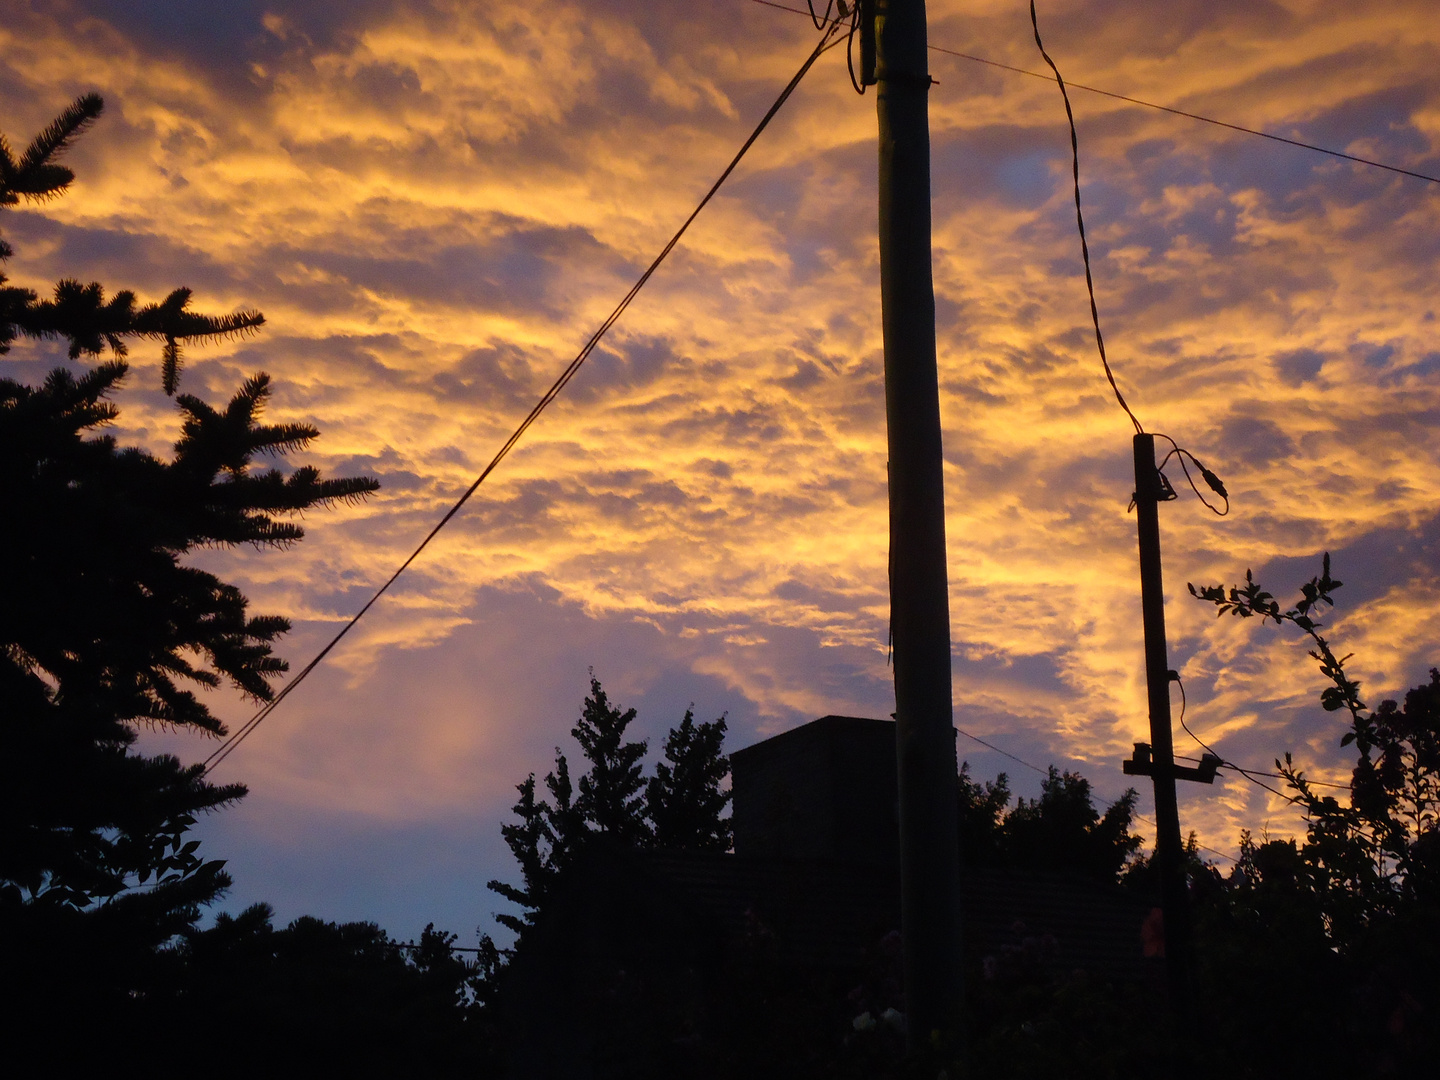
<point x="1157" y="758"/>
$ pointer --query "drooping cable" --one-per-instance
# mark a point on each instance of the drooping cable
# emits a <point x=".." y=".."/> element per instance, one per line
<point x="1247" y="773"/>
<point x="1210" y="478"/>
<point x="1179" y="453"/>
<point x="830" y="36"/>
<point x="855" y="29"/>
<point x="1080" y="221"/>
<point x="820" y="21"/>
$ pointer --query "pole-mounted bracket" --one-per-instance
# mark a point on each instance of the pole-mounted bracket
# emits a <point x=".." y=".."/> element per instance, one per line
<point x="1161" y="491"/>
<point x="1143" y="763"/>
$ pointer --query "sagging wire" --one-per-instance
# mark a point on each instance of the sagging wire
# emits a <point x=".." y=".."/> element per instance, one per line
<point x="1154" y="105"/>
<point x="1272" y="775"/>
<point x="821" y="21"/>
<point x="1248" y="774"/>
<point x="1179" y="453"/>
<point x="1046" y="773"/>
<point x="846" y="13"/>
<point x="1214" y="482"/>
<point x="856" y="14"/>
<point x="1168" y="491"/>
<point x="1080" y="221"/>
<point x="828" y="40"/>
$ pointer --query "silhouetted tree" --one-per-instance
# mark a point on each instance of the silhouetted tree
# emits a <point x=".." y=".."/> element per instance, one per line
<point x="80" y="313"/>
<point x="532" y="840"/>
<point x="319" y="998"/>
<point x="612" y="790"/>
<point x="681" y="806"/>
<point x="1381" y="850"/>
<point x="684" y="798"/>
<point x="981" y="818"/>
<point x="1333" y="937"/>
<point x="103" y="624"/>
<point x="1061" y="830"/>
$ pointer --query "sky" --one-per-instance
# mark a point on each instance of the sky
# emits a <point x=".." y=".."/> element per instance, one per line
<point x="435" y="203"/>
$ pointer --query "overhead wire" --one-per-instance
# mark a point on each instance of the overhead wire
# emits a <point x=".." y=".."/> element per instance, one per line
<point x="1248" y="774"/>
<point x="1179" y="453"/>
<point x="1046" y="772"/>
<point x="830" y="25"/>
<point x="1080" y="221"/>
<point x="1162" y="108"/>
<point x="829" y="38"/>
<point x="1195" y="116"/>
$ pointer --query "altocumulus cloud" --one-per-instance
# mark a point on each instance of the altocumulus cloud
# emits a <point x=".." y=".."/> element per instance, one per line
<point x="435" y="203"/>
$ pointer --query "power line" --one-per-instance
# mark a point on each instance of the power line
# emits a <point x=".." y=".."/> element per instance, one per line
<point x="1273" y="775"/>
<point x="1246" y="773"/>
<point x="1006" y="753"/>
<point x="1162" y="108"/>
<point x="828" y="39"/>
<point x="1197" y="116"/>
<point x="1046" y="772"/>
<point x="1080" y="221"/>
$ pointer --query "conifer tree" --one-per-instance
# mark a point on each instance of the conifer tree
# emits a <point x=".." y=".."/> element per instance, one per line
<point x="683" y="801"/>
<point x="531" y="840"/>
<point x="612" y="791"/>
<point x="684" y="798"/>
<point x="80" y="313"/>
<point x="548" y="835"/>
<point x="103" y="625"/>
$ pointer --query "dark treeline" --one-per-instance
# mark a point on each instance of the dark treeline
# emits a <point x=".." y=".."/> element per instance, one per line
<point x="1316" y="956"/>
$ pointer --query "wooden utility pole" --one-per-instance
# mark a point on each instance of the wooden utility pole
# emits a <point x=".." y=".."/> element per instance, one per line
<point x="919" y="584"/>
<point x="1158" y="759"/>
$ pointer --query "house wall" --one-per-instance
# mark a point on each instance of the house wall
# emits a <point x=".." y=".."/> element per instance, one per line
<point x="825" y="790"/>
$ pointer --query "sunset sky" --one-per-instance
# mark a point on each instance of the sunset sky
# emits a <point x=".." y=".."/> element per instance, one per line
<point x="434" y="204"/>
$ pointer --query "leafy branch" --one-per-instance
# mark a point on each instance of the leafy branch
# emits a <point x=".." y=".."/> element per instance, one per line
<point x="1252" y="600"/>
<point x="1367" y="852"/>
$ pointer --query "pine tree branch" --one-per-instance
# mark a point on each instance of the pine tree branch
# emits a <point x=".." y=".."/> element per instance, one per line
<point x="61" y="132"/>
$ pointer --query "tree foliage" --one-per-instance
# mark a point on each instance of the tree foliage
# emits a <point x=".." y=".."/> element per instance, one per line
<point x="249" y="998"/>
<point x="681" y="806"/>
<point x="1334" y="935"/>
<point x="80" y="313"/>
<point x="684" y="799"/>
<point x="612" y="789"/>
<point x="104" y="625"/>
<point x="1061" y="830"/>
<point x="1378" y="849"/>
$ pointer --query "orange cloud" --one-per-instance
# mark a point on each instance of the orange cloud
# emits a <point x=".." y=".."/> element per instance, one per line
<point x="434" y="204"/>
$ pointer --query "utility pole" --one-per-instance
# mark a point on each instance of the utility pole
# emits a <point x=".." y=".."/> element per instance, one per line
<point x="1157" y="758"/>
<point x="919" y="583"/>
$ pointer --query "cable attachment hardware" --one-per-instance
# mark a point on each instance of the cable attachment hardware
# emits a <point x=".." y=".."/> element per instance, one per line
<point x="1167" y="493"/>
<point x="1142" y="763"/>
<point x="1162" y="492"/>
<point x="1216" y="484"/>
